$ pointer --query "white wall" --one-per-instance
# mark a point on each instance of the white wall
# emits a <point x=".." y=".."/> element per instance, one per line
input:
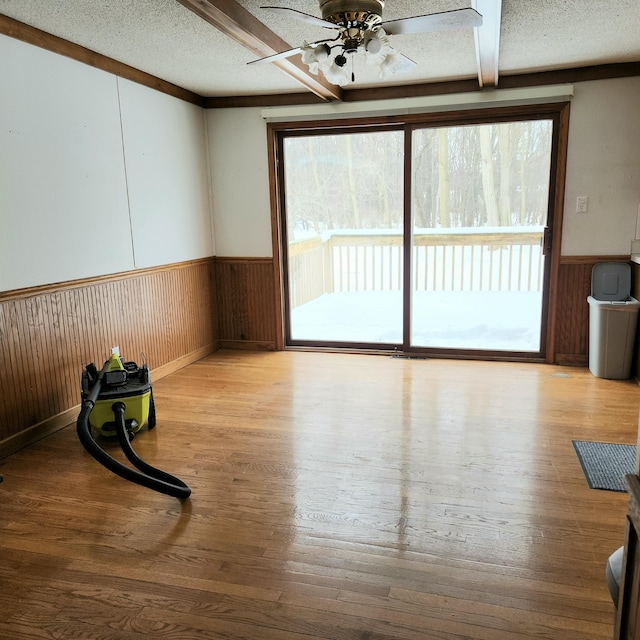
<point x="167" y="176"/>
<point x="240" y="182"/>
<point x="63" y="202"/>
<point x="603" y="163"/>
<point x="97" y="175"/>
<point x="100" y="175"/>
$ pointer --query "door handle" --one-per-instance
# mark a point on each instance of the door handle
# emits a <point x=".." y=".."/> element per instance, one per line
<point x="545" y="241"/>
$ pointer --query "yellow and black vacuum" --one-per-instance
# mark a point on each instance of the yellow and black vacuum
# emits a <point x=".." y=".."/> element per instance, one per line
<point x="117" y="401"/>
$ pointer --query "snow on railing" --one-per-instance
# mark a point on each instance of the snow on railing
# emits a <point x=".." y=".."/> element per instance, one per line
<point x="478" y="259"/>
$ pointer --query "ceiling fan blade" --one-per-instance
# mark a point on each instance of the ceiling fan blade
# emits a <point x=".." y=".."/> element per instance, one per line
<point x="456" y="19"/>
<point x="305" y="17"/>
<point x="407" y="63"/>
<point x="278" y="56"/>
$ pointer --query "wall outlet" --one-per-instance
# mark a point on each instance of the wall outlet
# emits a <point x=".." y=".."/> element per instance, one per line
<point x="582" y="204"/>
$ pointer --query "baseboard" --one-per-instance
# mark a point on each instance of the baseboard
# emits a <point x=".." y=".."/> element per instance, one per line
<point x="38" y="431"/>
<point x="248" y="345"/>
<point x="176" y="365"/>
<point x="55" y="423"/>
<point x="572" y="359"/>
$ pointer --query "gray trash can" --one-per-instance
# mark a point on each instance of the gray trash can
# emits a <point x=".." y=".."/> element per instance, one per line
<point x="613" y="316"/>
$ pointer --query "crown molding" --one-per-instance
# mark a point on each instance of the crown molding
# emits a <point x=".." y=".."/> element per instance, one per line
<point x="31" y="35"/>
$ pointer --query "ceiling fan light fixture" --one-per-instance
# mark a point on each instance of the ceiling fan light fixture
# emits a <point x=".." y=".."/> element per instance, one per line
<point x="361" y="30"/>
<point x="315" y="56"/>
<point x="337" y="74"/>
<point x="322" y="52"/>
<point x="373" y="46"/>
<point x="394" y="62"/>
<point x="376" y="45"/>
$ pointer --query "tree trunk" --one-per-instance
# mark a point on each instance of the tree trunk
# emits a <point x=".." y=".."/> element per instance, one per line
<point x="488" y="181"/>
<point x="318" y="187"/>
<point x="353" y="185"/>
<point x="444" y="204"/>
<point x="504" y="145"/>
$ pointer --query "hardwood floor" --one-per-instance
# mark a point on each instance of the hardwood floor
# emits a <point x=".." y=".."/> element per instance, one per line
<point x="335" y="496"/>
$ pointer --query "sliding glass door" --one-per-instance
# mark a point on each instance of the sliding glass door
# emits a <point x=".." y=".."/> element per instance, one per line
<point x="417" y="238"/>
<point x="479" y="212"/>
<point x="344" y="232"/>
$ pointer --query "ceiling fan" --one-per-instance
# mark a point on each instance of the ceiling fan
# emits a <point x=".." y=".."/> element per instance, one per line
<point x="361" y="30"/>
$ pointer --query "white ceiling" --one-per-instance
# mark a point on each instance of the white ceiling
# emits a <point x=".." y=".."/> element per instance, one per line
<point x="167" y="40"/>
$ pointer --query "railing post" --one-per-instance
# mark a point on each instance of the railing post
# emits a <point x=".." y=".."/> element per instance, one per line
<point x="327" y="264"/>
<point x="319" y="266"/>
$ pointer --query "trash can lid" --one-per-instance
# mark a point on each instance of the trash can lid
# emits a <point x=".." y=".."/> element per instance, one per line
<point x="611" y="281"/>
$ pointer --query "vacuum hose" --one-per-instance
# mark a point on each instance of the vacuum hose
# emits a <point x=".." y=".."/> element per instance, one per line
<point x="148" y="476"/>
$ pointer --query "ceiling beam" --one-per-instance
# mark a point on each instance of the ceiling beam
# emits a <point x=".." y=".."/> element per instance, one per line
<point x="487" y="38"/>
<point x="241" y="25"/>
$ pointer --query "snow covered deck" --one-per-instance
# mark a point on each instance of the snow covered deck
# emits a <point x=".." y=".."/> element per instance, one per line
<point x="487" y="320"/>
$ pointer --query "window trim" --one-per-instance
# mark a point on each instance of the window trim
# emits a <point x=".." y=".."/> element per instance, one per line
<point x="558" y="112"/>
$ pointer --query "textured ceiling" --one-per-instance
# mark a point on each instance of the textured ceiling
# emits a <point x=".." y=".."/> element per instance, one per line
<point x="165" y="39"/>
<point x="553" y="34"/>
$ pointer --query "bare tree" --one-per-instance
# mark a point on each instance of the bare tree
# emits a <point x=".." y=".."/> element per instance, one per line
<point x="488" y="180"/>
<point x="463" y="176"/>
<point x="503" y="133"/>
<point x="444" y="203"/>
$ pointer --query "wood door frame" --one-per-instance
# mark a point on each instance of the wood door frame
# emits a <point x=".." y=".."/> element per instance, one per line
<point x="558" y="112"/>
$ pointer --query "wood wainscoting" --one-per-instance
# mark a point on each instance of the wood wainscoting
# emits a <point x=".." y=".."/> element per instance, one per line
<point x="175" y="314"/>
<point x="47" y="333"/>
<point x="246" y="303"/>
<point x="572" y="309"/>
<point x="248" y="319"/>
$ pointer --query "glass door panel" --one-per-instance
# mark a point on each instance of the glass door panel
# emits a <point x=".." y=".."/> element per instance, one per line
<point x="479" y="210"/>
<point x="344" y="237"/>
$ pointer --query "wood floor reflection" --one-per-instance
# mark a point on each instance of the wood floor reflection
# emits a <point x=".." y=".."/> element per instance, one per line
<point x="335" y="497"/>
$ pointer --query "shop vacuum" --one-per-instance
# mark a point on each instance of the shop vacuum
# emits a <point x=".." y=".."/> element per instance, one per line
<point x="117" y="401"/>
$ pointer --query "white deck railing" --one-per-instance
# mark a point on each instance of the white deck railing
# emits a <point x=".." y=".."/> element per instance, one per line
<point x="443" y="260"/>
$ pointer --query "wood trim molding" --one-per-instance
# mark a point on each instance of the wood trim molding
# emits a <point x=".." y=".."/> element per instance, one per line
<point x="28" y="292"/>
<point x="248" y="345"/>
<point x="556" y="195"/>
<point x="576" y="74"/>
<point x="558" y="111"/>
<point x="571" y="360"/>
<point x="47" y="334"/>
<point x="563" y="76"/>
<point x="232" y="19"/>
<point x="37" y="432"/>
<point x="26" y="33"/>
<point x="275" y="205"/>
<point x="237" y="260"/>
<point x="276" y="100"/>
<point x="376" y="122"/>
<point x="31" y="35"/>
<point x="593" y="259"/>
<point x="60" y="421"/>
<point x="175" y="365"/>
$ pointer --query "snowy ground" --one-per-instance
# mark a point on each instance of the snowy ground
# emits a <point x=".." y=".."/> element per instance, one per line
<point x="491" y="320"/>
